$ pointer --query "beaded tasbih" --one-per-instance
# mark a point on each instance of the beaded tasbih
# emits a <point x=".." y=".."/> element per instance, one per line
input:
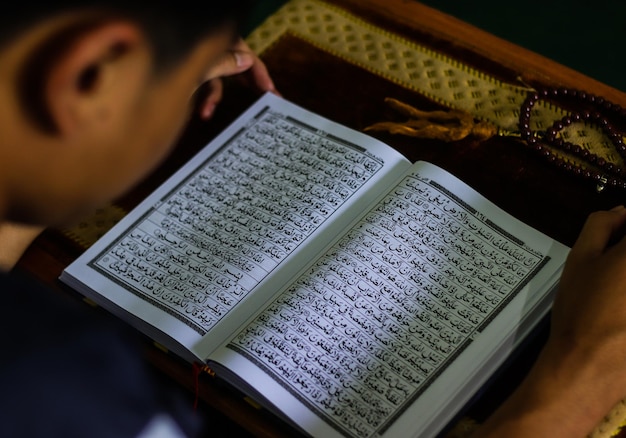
<point x="455" y="125"/>
<point x="596" y="110"/>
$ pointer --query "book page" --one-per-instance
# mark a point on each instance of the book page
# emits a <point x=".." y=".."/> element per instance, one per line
<point x="400" y="316"/>
<point x="267" y="193"/>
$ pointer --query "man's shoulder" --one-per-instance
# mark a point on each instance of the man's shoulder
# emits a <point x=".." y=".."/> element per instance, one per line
<point x="74" y="367"/>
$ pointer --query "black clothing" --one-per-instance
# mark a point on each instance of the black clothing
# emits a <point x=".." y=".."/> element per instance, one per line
<point x="66" y="370"/>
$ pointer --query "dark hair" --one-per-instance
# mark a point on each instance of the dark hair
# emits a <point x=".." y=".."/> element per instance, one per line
<point x="172" y="27"/>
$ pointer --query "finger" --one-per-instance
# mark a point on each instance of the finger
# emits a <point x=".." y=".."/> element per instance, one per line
<point x="233" y="62"/>
<point x="598" y="231"/>
<point x="258" y="72"/>
<point x="261" y="78"/>
<point x="214" y="96"/>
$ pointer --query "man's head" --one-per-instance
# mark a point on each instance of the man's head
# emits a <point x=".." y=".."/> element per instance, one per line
<point x="93" y="95"/>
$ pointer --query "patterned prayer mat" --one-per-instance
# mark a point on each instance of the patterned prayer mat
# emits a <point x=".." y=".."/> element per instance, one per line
<point x="434" y="75"/>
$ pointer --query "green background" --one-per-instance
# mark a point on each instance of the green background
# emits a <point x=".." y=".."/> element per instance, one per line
<point x="588" y="36"/>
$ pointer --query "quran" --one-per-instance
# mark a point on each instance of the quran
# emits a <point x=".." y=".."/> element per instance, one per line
<point x="342" y="287"/>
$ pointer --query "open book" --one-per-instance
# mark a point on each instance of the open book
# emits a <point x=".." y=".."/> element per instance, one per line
<point x="344" y="288"/>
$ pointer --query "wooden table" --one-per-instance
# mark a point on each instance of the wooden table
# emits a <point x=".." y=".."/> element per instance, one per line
<point x="309" y="74"/>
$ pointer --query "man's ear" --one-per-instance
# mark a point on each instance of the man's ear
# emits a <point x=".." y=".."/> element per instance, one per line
<point x="86" y="73"/>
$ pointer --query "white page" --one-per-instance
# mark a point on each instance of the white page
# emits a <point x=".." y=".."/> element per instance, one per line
<point x="353" y="338"/>
<point x="197" y="249"/>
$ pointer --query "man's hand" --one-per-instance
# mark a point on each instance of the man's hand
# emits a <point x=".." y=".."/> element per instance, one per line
<point x="591" y="303"/>
<point x="239" y="60"/>
<point x="581" y="372"/>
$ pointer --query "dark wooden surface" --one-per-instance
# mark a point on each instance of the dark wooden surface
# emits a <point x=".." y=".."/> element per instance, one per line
<point x="503" y="170"/>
